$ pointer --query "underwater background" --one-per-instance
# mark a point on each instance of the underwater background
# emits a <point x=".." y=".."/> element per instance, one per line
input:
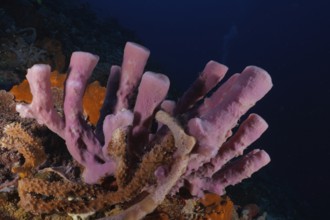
<point x="288" y="38"/>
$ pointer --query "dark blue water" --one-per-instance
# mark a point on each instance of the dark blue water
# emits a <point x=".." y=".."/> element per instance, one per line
<point x="182" y="35"/>
<point x="288" y="38"/>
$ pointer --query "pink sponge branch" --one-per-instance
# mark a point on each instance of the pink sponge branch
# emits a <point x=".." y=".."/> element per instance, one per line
<point x="110" y="100"/>
<point x="168" y="106"/>
<point x="146" y="104"/>
<point x="79" y="136"/>
<point x="237" y="171"/>
<point x="42" y="107"/>
<point x="209" y="78"/>
<point x="81" y="67"/>
<point x="250" y="130"/>
<point x="231" y="174"/>
<point x="134" y="61"/>
<point x="112" y="122"/>
<point x="214" y="127"/>
<point x="216" y="98"/>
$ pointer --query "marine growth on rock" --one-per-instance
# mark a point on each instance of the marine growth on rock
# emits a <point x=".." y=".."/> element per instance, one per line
<point x="137" y="150"/>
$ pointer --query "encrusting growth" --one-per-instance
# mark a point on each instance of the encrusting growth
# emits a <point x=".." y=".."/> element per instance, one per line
<point x="15" y="137"/>
<point x="147" y="146"/>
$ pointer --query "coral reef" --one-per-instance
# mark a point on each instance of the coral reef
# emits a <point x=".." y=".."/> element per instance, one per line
<point x="211" y="206"/>
<point x="30" y="147"/>
<point x="9" y="155"/>
<point x="20" y="49"/>
<point x="26" y="37"/>
<point x="144" y="149"/>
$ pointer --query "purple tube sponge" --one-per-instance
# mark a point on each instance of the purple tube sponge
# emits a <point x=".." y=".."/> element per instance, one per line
<point x="213" y="127"/>
<point x="196" y="151"/>
<point x="83" y="144"/>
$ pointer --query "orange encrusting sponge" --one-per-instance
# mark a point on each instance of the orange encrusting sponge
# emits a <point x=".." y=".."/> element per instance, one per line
<point x="217" y="207"/>
<point x="92" y="100"/>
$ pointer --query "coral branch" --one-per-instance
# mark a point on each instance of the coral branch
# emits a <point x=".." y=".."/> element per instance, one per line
<point x="146" y="104"/>
<point x="78" y="134"/>
<point x="134" y="61"/>
<point x="211" y="75"/>
<point x="110" y="100"/>
<point x="42" y="106"/>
